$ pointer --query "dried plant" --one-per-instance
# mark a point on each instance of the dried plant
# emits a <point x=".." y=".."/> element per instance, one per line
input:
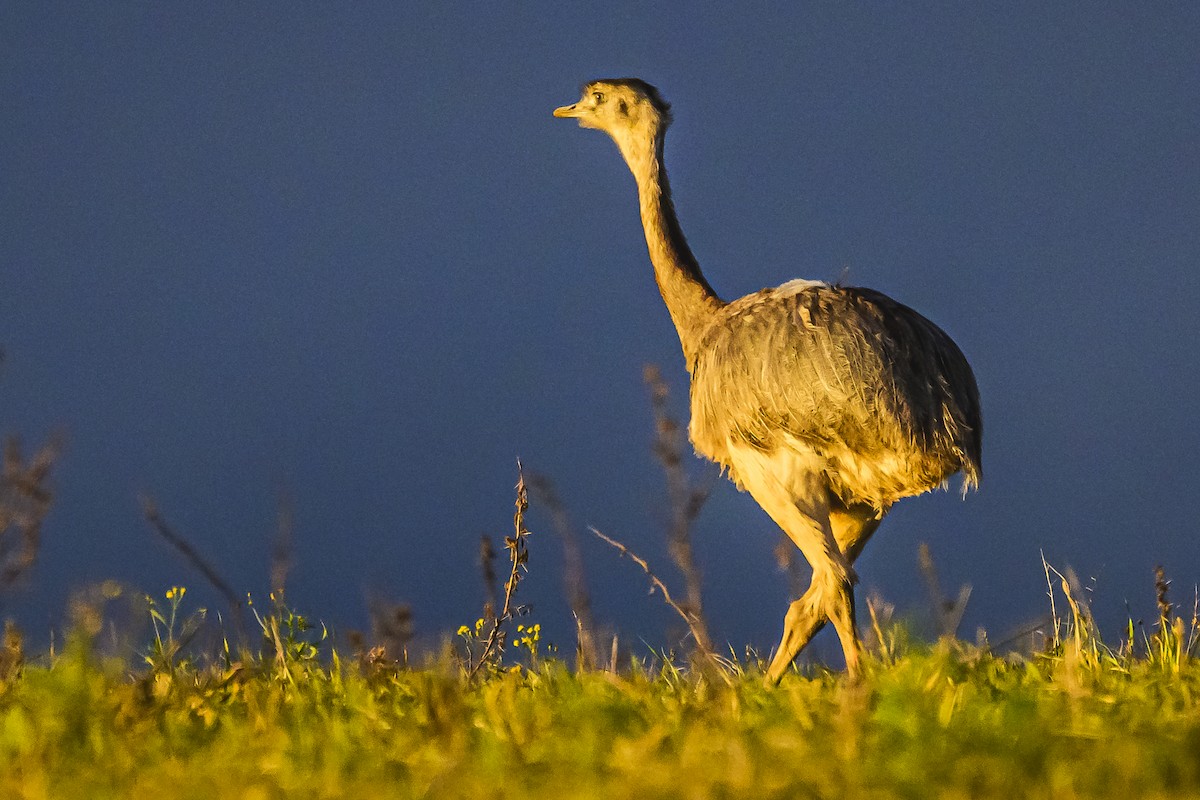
<point x="518" y="556"/>
<point x="487" y="565"/>
<point x="1082" y="645"/>
<point x="392" y="630"/>
<point x="25" y="499"/>
<point x="1161" y="586"/>
<point x="281" y="549"/>
<point x="587" y="655"/>
<point x="882" y="636"/>
<point x="685" y="499"/>
<point x="192" y="556"/>
<point x="695" y="625"/>
<point x="1172" y="644"/>
<point x="948" y="613"/>
<point x="12" y="652"/>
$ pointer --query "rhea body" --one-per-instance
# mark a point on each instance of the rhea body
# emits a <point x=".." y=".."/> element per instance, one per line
<point x="826" y="403"/>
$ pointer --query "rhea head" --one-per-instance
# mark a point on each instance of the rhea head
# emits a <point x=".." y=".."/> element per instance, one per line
<point x="629" y="110"/>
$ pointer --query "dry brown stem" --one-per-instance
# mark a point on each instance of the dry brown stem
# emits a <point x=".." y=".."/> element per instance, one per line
<point x="25" y="499"/>
<point x="1161" y="586"/>
<point x="392" y="629"/>
<point x="948" y="613"/>
<point x="193" y="557"/>
<point x="574" y="582"/>
<point x="684" y="498"/>
<point x="699" y="634"/>
<point x="281" y="548"/>
<point x="518" y="555"/>
<point x="487" y="565"/>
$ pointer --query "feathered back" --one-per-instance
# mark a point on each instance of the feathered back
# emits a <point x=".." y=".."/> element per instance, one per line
<point x="884" y="393"/>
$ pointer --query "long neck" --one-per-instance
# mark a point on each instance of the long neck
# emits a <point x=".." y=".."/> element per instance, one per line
<point x="690" y="300"/>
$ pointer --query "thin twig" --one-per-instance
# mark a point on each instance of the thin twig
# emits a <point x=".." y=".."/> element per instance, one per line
<point x="574" y="581"/>
<point x="518" y="554"/>
<point x="1022" y="632"/>
<point x="281" y="548"/>
<point x="685" y="499"/>
<point x="1161" y="586"/>
<point x="25" y="499"/>
<point x="948" y="613"/>
<point x="697" y="632"/>
<point x="392" y="629"/>
<point x="1050" y="593"/>
<point x="487" y="558"/>
<point x="193" y="557"/>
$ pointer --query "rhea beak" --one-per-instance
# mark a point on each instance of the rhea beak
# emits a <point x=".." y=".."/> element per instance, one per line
<point x="572" y="110"/>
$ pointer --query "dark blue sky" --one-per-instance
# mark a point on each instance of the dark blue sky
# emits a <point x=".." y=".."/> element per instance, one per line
<point x="350" y="254"/>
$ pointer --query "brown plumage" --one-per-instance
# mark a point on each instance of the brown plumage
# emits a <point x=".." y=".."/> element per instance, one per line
<point x="826" y="403"/>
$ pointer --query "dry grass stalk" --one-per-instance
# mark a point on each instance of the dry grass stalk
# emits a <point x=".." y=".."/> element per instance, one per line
<point x="518" y="555"/>
<point x="1054" y="621"/>
<point x="587" y="655"/>
<point x="1161" y="586"/>
<point x="882" y="637"/>
<point x="1086" y="647"/>
<point x="699" y="633"/>
<point x="25" y="499"/>
<point x="487" y="565"/>
<point x="392" y="630"/>
<point x="192" y="556"/>
<point x="948" y="613"/>
<point x="1194" y="630"/>
<point x="12" y="653"/>
<point x="685" y="499"/>
<point x="1026" y="639"/>
<point x="281" y="548"/>
<point x="1172" y="644"/>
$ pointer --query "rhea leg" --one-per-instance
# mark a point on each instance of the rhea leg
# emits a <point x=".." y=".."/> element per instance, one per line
<point x="827" y="599"/>
<point x="851" y="527"/>
<point x="790" y="485"/>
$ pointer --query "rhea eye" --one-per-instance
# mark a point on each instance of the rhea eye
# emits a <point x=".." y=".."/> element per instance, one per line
<point x="599" y="96"/>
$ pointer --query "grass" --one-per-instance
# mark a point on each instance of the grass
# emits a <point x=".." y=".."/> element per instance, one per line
<point x="187" y="713"/>
<point x="948" y="720"/>
<point x="295" y="718"/>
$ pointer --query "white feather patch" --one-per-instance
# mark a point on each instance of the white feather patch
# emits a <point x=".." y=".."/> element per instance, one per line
<point x="798" y="285"/>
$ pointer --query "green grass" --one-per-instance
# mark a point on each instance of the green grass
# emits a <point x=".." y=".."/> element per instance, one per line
<point x="950" y="721"/>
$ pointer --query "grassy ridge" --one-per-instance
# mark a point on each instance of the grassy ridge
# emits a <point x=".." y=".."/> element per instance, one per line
<point x="947" y="721"/>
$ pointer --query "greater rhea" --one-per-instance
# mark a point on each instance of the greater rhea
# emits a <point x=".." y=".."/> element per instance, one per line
<point x="826" y="403"/>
